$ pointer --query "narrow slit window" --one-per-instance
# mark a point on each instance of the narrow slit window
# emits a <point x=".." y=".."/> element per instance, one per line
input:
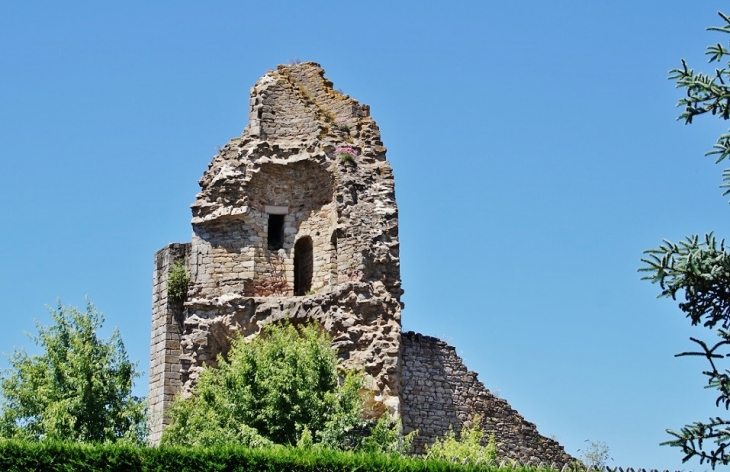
<point x="276" y="232"/>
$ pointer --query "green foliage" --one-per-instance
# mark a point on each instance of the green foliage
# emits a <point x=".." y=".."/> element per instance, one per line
<point x="282" y="387"/>
<point x="74" y="457"/>
<point x="177" y="281"/>
<point x="79" y="389"/>
<point x="709" y="93"/>
<point x="596" y="454"/>
<point x="346" y="157"/>
<point x="465" y="450"/>
<point x="346" y="154"/>
<point x="700" y="268"/>
<point x="386" y="437"/>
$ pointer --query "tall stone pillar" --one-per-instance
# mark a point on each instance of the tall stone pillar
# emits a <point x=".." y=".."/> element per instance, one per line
<point x="165" y="341"/>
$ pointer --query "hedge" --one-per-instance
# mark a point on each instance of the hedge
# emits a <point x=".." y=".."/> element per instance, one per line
<point x="76" y="457"/>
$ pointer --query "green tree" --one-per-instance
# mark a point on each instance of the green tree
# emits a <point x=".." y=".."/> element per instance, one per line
<point x="699" y="267"/>
<point x="282" y="387"/>
<point x="78" y="389"/>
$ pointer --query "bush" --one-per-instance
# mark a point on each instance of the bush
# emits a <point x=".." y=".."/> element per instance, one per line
<point x="73" y="457"/>
<point x="177" y="281"/>
<point x="467" y="449"/>
<point x="282" y="387"/>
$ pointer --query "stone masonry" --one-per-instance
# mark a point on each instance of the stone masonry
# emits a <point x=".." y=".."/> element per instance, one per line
<point x="438" y="391"/>
<point x="297" y="220"/>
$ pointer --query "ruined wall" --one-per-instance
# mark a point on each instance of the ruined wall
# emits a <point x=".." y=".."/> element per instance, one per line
<point x="355" y="315"/>
<point x="231" y="253"/>
<point x="285" y="164"/>
<point x="283" y="228"/>
<point x="438" y="391"/>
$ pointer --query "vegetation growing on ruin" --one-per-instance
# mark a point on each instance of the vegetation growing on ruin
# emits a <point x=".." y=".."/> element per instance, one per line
<point x="346" y="154"/>
<point x="467" y="449"/>
<point x="282" y="387"/>
<point x="177" y="281"/>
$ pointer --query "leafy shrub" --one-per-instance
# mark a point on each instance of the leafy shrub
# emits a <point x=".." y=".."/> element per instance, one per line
<point x="466" y="449"/>
<point x="386" y="438"/>
<point x="177" y="281"/>
<point x="282" y="387"/>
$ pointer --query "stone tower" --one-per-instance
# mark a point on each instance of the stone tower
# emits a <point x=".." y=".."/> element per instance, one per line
<point x="297" y="220"/>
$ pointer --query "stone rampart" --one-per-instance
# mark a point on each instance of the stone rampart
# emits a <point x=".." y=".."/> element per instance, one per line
<point x="438" y="392"/>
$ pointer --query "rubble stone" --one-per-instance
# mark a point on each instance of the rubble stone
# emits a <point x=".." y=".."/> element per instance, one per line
<point x="438" y="392"/>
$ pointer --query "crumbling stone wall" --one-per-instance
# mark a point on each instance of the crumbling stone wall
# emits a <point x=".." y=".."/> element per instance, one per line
<point x="438" y="392"/>
<point x="231" y="253"/>
<point x="283" y="228"/>
<point x="338" y="234"/>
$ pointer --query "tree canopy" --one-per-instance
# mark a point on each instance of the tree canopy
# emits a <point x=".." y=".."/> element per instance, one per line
<point x="281" y="387"/>
<point x="78" y="389"/>
<point x="708" y="93"/>
<point x="699" y="267"/>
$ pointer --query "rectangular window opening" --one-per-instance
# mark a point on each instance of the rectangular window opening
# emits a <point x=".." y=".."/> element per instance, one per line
<point x="276" y="232"/>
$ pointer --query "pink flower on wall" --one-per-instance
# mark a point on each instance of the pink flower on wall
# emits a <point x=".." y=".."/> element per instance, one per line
<point x="346" y="153"/>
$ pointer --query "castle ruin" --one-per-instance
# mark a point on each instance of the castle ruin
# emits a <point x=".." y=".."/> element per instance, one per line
<point x="297" y="220"/>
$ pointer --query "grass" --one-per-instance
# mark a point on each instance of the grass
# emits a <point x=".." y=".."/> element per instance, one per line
<point x="346" y="157"/>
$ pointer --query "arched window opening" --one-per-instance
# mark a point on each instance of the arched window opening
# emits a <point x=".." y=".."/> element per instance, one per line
<point x="333" y="259"/>
<point x="303" y="265"/>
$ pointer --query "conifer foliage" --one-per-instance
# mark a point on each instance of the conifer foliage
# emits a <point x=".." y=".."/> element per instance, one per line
<point x="699" y="267"/>
<point x="78" y="389"/>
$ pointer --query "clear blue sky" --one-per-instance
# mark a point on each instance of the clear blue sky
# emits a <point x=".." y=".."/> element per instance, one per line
<point x="535" y="151"/>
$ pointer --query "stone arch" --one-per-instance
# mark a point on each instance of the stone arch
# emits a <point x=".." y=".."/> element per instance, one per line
<point x="303" y="265"/>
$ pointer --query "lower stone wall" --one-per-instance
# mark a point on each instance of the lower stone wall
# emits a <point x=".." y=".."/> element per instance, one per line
<point x="363" y="320"/>
<point x="438" y="391"/>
